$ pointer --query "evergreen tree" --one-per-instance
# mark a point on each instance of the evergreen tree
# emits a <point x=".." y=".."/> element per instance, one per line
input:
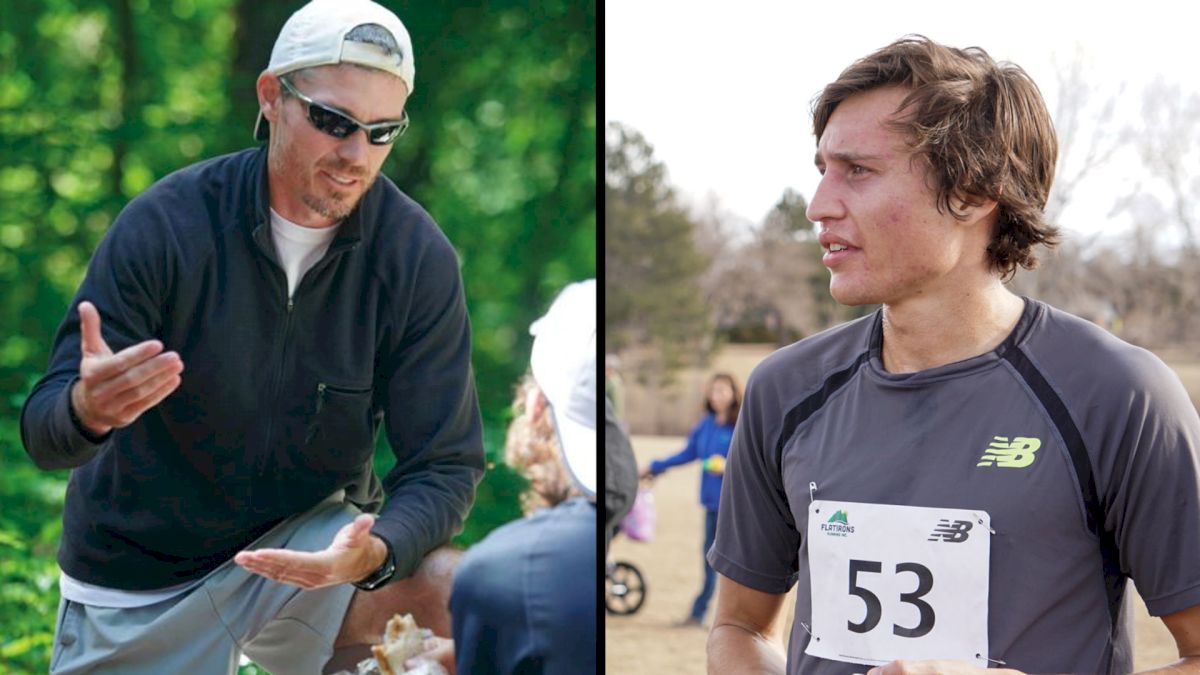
<point x="652" y="265"/>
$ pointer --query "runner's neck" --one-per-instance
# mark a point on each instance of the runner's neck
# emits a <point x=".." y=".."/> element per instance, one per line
<point x="920" y="335"/>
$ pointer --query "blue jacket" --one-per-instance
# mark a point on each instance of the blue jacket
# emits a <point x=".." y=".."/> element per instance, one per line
<point x="524" y="599"/>
<point x="282" y="398"/>
<point x="708" y="438"/>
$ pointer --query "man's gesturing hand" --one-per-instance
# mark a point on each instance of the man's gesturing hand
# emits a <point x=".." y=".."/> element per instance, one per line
<point x="115" y="389"/>
<point x="352" y="556"/>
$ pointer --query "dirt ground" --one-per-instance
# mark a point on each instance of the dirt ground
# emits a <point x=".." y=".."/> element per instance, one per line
<point x="648" y="642"/>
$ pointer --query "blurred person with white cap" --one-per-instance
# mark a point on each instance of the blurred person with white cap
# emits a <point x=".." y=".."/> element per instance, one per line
<point x="231" y="506"/>
<point x="524" y="598"/>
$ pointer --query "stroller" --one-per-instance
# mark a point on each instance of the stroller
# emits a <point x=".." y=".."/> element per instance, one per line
<point x="624" y="588"/>
<point x="624" y="585"/>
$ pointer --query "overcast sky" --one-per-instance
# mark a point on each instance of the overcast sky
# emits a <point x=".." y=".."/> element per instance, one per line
<point x="722" y="90"/>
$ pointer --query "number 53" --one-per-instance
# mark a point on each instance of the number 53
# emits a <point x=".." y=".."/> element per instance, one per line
<point x="875" y="610"/>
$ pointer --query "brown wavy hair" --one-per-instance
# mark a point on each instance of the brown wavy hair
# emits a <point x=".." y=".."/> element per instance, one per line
<point x="982" y="128"/>
<point x="734" y="407"/>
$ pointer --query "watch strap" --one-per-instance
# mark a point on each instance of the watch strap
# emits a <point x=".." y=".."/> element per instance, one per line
<point x="383" y="573"/>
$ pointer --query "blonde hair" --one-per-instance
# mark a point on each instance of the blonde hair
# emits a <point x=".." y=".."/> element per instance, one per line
<point x="531" y="448"/>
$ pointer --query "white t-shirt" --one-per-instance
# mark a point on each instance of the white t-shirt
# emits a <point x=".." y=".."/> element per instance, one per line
<point x="299" y="248"/>
<point x="99" y="596"/>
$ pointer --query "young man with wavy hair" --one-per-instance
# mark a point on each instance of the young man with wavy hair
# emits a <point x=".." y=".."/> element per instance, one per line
<point x="965" y="478"/>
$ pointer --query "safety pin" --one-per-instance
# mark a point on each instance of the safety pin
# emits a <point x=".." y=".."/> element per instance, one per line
<point x="980" y="521"/>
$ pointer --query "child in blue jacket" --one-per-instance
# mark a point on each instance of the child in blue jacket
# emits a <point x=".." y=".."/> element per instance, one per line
<point x="708" y="442"/>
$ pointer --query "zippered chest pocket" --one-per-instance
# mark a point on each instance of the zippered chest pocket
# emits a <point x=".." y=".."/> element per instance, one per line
<point x="341" y="433"/>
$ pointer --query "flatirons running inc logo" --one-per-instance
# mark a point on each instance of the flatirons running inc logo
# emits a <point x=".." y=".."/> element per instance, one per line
<point x="838" y="525"/>
<point x="1015" y="454"/>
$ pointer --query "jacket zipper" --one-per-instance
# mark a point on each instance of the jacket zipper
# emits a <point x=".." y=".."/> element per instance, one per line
<point x="265" y="455"/>
<point x="276" y="381"/>
<point x="316" y="424"/>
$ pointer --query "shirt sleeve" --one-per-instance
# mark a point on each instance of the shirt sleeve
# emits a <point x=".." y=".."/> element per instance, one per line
<point x="689" y="453"/>
<point x="125" y="281"/>
<point x="757" y="544"/>
<point x="1152" y="492"/>
<point x="480" y="602"/>
<point x="432" y="415"/>
<point x="488" y="612"/>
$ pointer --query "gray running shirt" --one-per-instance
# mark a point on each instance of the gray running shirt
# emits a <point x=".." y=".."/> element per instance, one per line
<point x="1118" y="448"/>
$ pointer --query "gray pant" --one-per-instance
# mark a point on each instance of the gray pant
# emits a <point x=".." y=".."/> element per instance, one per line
<point x="281" y="627"/>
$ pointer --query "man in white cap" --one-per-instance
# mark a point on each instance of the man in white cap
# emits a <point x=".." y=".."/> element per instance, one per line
<point x="227" y="510"/>
<point x="524" y="598"/>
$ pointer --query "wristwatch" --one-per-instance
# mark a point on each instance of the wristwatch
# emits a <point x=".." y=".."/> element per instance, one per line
<point x="383" y="574"/>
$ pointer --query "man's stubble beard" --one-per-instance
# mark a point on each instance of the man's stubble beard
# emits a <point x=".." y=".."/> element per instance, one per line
<point x="336" y="206"/>
<point x="333" y="207"/>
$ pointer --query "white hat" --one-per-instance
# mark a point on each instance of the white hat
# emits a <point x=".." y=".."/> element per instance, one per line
<point x="316" y="36"/>
<point x="564" y="366"/>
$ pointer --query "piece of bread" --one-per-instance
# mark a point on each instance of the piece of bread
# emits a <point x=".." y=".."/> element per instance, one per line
<point x="401" y="641"/>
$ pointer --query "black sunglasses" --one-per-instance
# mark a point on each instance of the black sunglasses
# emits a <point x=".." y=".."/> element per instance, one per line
<point x="340" y="125"/>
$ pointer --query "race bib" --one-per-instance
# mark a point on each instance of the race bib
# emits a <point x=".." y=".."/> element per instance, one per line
<point x="898" y="582"/>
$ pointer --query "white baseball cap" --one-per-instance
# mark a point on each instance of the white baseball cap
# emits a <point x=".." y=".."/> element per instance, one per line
<point x="316" y="36"/>
<point x="564" y="367"/>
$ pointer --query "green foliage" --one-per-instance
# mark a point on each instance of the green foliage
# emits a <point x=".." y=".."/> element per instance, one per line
<point x="498" y="497"/>
<point x="98" y="99"/>
<point x="788" y="219"/>
<point x="508" y="137"/>
<point x="30" y="526"/>
<point x="651" y="293"/>
<point x="501" y="489"/>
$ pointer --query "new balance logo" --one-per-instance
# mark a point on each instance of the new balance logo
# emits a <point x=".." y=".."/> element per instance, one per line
<point x="1015" y="454"/>
<point x="951" y="532"/>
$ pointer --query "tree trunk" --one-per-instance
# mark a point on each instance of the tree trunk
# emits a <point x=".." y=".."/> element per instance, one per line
<point x="127" y="46"/>
<point x="257" y="24"/>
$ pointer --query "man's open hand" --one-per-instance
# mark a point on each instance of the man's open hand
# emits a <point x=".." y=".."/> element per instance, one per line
<point x="352" y="556"/>
<point x="115" y="389"/>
